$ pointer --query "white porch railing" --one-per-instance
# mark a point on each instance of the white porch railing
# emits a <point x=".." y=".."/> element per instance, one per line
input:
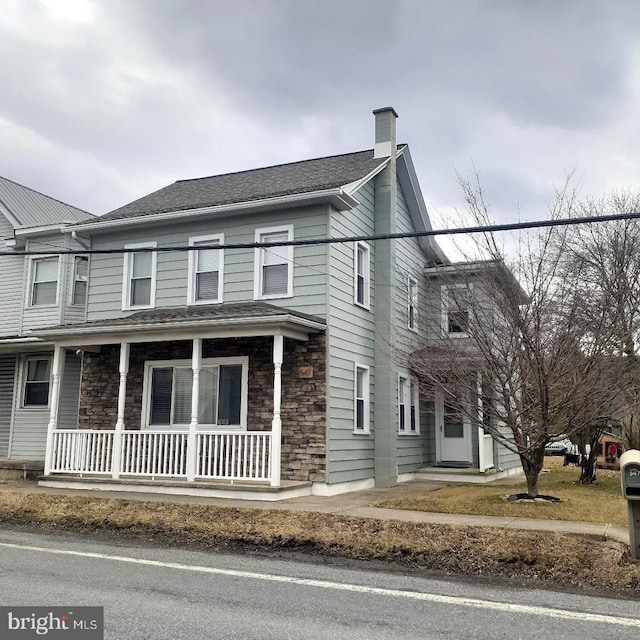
<point x="82" y="451"/>
<point x="221" y="455"/>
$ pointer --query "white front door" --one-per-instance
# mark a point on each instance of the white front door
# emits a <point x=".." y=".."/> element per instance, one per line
<point x="453" y="434"/>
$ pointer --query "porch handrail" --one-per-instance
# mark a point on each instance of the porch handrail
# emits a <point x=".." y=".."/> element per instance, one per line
<point x="221" y="454"/>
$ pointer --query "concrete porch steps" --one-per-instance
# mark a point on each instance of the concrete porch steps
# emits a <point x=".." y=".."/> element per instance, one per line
<point x="21" y="469"/>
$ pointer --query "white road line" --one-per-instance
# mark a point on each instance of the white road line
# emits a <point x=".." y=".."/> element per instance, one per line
<point x="339" y="586"/>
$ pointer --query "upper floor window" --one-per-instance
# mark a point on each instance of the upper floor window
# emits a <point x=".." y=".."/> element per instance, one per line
<point x="408" y="414"/>
<point x="80" y="279"/>
<point x="361" y="399"/>
<point x="36" y="377"/>
<point x="412" y="304"/>
<point x="362" y="274"/>
<point x="205" y="270"/>
<point x="274" y="265"/>
<point x="44" y="281"/>
<point x="139" y="286"/>
<point x="457" y="309"/>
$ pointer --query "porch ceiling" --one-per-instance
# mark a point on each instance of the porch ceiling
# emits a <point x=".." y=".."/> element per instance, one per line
<point x="198" y="321"/>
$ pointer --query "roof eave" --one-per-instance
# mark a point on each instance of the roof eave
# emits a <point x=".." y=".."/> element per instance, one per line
<point x="337" y="197"/>
<point x="87" y="334"/>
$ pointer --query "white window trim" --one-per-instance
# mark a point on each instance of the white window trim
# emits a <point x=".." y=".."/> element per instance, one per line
<point x="23" y="382"/>
<point x="146" y="393"/>
<point x="366" y="303"/>
<point x="126" y="276"/>
<point x="411" y="384"/>
<point x="32" y="275"/>
<point x="412" y="303"/>
<point x="445" y="309"/>
<point x="73" y="280"/>
<point x="258" y="263"/>
<point x="193" y="264"/>
<point x="367" y="399"/>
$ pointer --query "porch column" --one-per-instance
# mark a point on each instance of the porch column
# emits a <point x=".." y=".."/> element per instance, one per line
<point x="116" y="463"/>
<point x="276" y="423"/>
<point x="481" y="409"/>
<point x="192" y="449"/>
<point x="58" y="363"/>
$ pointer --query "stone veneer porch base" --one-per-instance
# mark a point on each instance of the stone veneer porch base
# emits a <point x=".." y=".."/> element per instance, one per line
<point x="204" y="489"/>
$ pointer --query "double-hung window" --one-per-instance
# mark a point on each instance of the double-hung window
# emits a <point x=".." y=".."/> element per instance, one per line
<point x="222" y="399"/>
<point x="139" y="286"/>
<point x="408" y="414"/>
<point x="206" y="270"/>
<point x="36" y="378"/>
<point x="457" y="310"/>
<point x="361" y="271"/>
<point x="80" y="279"/>
<point x="412" y="304"/>
<point x="361" y="399"/>
<point x="44" y="281"/>
<point x="274" y="265"/>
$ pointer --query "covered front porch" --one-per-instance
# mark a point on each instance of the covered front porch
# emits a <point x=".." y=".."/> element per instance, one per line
<point x="190" y="410"/>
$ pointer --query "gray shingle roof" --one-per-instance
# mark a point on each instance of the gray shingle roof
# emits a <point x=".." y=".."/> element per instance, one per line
<point x="31" y="208"/>
<point x="225" y="311"/>
<point x="257" y="184"/>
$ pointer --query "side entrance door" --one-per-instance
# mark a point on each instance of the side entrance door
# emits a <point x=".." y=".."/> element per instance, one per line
<point x="453" y="434"/>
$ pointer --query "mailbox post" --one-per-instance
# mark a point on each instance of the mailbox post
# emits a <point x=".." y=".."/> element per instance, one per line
<point x="630" y="478"/>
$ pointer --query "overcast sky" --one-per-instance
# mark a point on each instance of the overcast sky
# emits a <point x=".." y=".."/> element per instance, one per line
<point x="104" y="101"/>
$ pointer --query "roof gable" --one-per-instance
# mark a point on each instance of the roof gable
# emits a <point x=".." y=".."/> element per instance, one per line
<point x="23" y="207"/>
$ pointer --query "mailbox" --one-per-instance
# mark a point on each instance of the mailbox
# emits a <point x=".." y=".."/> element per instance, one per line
<point x="630" y="474"/>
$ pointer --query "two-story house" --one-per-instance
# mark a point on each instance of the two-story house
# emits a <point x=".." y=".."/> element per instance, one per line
<point x="40" y="287"/>
<point x="254" y="329"/>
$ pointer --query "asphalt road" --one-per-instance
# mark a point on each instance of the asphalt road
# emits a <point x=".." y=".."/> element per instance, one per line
<point x="159" y="594"/>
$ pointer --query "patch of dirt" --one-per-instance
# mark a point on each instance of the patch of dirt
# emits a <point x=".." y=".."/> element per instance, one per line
<point x="525" y="497"/>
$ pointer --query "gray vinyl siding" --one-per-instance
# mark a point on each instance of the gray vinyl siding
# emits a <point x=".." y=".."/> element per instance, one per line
<point x="7" y="375"/>
<point x="309" y="268"/>
<point x="12" y="270"/>
<point x="412" y="450"/>
<point x="350" y="340"/>
<point x="29" y="434"/>
<point x="506" y="459"/>
<point x="70" y="392"/>
<point x="62" y="312"/>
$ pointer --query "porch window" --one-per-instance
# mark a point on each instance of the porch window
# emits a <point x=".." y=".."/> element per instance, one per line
<point x="274" y="265"/>
<point x="361" y="274"/>
<point x="139" y="286"/>
<point x="412" y="304"/>
<point x="457" y="310"/>
<point x="80" y="279"/>
<point x="44" y="281"/>
<point x="37" y="375"/>
<point x="205" y="270"/>
<point x="223" y="394"/>
<point x="361" y="400"/>
<point x="408" y="405"/>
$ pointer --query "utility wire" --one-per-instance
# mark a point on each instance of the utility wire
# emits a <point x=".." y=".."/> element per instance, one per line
<point x="514" y="226"/>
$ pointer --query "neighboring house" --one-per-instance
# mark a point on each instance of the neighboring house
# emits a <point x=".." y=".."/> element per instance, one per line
<point x="38" y="289"/>
<point x="465" y="303"/>
<point x="280" y="365"/>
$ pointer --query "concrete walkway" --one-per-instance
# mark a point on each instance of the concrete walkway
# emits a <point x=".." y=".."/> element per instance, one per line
<point x="358" y="504"/>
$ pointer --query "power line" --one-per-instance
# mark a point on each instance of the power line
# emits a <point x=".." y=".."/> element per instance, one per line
<point x="514" y="226"/>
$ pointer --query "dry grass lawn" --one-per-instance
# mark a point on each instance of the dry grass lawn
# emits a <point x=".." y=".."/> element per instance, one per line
<point x="554" y="558"/>
<point x="600" y="502"/>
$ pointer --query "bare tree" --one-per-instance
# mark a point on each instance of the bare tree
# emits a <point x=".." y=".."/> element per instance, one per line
<point x="526" y="367"/>
<point x="603" y="263"/>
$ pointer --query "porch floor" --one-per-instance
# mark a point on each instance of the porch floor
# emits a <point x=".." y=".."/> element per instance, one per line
<point x="240" y="490"/>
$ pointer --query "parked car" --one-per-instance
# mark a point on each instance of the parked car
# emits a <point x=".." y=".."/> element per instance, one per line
<point x="559" y="446"/>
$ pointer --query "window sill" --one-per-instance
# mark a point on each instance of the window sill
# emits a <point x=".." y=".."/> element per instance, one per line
<point x="195" y="303"/>
<point x="366" y="307"/>
<point x="361" y="433"/>
<point x="279" y="296"/>
<point x="408" y="433"/>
